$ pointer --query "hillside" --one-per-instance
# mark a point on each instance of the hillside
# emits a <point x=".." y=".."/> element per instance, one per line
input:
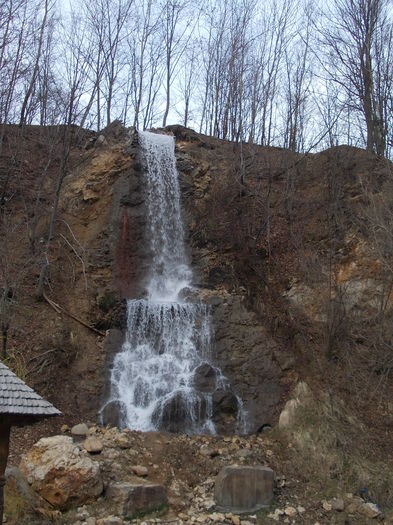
<point x="293" y="253"/>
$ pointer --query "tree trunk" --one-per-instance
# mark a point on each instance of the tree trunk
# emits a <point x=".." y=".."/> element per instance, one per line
<point x="35" y="68"/>
<point x="62" y="174"/>
<point x="4" y="338"/>
<point x="186" y="109"/>
<point x="45" y="266"/>
<point x="4" y="447"/>
<point x="168" y="100"/>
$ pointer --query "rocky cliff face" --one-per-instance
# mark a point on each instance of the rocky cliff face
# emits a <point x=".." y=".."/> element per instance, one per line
<point x="292" y="253"/>
<point x="242" y="346"/>
<point x="282" y="251"/>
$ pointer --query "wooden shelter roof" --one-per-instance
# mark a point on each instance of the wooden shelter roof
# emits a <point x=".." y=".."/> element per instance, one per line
<point x="18" y="399"/>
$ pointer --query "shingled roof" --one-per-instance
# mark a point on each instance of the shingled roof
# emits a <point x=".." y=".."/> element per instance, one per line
<point x="18" y="399"/>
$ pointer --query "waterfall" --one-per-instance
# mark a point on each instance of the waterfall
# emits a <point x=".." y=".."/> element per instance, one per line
<point x="169" y="270"/>
<point x="163" y="377"/>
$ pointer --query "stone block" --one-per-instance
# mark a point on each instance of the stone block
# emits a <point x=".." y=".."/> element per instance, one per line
<point x="244" y="489"/>
<point x="134" y="498"/>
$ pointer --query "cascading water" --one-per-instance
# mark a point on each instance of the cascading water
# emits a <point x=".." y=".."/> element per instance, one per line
<point x="168" y="340"/>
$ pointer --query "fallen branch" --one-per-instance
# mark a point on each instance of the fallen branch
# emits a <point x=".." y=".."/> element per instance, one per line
<point x="39" y="356"/>
<point x="59" y="309"/>
<point x="44" y="359"/>
<point x="52" y="304"/>
<point x="39" y="367"/>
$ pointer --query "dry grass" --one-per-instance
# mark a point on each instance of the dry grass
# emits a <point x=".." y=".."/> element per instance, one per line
<point x="16" y="361"/>
<point x="17" y="509"/>
<point x="335" y="451"/>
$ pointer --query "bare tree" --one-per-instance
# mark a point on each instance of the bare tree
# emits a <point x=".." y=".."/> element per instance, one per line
<point x="76" y="83"/>
<point x="14" y="40"/>
<point x="107" y="22"/>
<point x="13" y="269"/>
<point x="298" y="79"/>
<point x="144" y="48"/>
<point x="244" y="47"/>
<point x="213" y="45"/>
<point x="355" y="35"/>
<point x="188" y="79"/>
<point x="278" y="21"/>
<point x="45" y="78"/>
<point x="48" y="6"/>
<point x="176" y="34"/>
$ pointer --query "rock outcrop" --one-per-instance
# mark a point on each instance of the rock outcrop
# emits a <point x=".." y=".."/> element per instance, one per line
<point x="301" y="395"/>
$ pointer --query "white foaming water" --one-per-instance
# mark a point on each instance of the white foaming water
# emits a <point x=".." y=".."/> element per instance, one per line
<point x="169" y="271"/>
<point x="153" y="377"/>
<point x="164" y="344"/>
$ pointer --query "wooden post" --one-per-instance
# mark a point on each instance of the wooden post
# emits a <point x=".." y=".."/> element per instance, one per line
<point x="4" y="447"/>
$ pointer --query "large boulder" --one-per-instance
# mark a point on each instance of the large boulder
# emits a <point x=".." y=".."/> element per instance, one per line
<point x="180" y="413"/>
<point x="61" y="473"/>
<point x="244" y="489"/>
<point x="205" y="378"/>
<point x="113" y="414"/>
<point x="132" y="498"/>
<point x="225" y="411"/>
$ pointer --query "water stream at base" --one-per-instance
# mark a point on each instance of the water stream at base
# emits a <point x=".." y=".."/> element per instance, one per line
<point x="167" y="340"/>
